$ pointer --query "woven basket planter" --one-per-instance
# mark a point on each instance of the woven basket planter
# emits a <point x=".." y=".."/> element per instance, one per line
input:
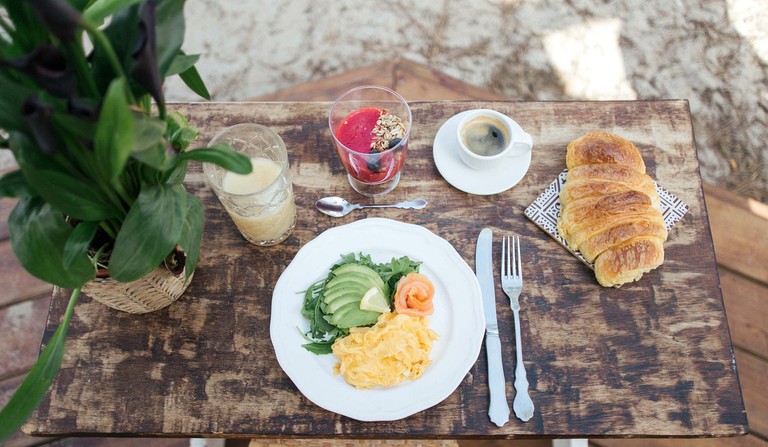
<point x="158" y="289"/>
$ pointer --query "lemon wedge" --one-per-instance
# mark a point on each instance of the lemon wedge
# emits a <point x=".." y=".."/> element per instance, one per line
<point x="375" y="301"/>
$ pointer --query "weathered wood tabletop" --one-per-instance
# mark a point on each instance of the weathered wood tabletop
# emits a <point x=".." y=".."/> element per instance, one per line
<point x="653" y="358"/>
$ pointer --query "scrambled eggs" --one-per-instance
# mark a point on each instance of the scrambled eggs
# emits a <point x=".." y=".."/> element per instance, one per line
<point x="396" y="348"/>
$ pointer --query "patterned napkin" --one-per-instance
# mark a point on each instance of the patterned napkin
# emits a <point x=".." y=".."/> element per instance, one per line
<point x="545" y="210"/>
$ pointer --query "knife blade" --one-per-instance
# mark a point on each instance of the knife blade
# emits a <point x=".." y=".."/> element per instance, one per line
<point x="498" y="409"/>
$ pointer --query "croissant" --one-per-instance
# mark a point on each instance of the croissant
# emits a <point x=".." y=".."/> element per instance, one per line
<point x="604" y="179"/>
<point x="610" y="210"/>
<point x="603" y="147"/>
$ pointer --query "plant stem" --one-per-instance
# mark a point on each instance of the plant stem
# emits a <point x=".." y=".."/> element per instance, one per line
<point x="108" y="229"/>
<point x="91" y="174"/>
<point x="83" y="70"/>
<point x="106" y="45"/>
<point x="146" y="104"/>
<point x="161" y="110"/>
<point x="118" y="185"/>
<point x="110" y="193"/>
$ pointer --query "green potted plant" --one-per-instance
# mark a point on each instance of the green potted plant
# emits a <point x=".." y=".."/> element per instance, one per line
<point x="101" y="164"/>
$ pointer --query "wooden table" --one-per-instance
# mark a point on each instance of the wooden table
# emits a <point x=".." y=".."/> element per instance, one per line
<point x="653" y="358"/>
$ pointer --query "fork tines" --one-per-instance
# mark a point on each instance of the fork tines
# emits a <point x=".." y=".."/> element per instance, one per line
<point x="510" y="257"/>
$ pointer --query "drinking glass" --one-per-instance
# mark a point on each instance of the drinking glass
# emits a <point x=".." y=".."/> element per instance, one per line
<point x="261" y="204"/>
<point x="378" y="172"/>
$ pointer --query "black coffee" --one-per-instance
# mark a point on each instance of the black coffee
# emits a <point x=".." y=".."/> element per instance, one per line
<point x="485" y="136"/>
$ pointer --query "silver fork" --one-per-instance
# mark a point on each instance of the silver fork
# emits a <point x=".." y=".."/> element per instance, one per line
<point x="512" y="284"/>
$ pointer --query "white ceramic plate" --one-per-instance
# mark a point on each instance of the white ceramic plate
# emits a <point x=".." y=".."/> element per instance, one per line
<point x="445" y="151"/>
<point x="458" y="319"/>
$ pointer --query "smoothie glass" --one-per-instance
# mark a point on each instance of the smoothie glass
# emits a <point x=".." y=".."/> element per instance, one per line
<point x="261" y="203"/>
<point x="371" y="171"/>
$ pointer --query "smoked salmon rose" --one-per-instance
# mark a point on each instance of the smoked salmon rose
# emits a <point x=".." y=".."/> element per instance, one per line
<point x="413" y="295"/>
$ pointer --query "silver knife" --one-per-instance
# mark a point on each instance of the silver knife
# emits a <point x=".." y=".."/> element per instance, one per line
<point x="498" y="410"/>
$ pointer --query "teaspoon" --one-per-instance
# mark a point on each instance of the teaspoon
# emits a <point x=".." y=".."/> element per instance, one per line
<point x="338" y="207"/>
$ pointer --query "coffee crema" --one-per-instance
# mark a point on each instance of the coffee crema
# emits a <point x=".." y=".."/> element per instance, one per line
<point x="485" y="136"/>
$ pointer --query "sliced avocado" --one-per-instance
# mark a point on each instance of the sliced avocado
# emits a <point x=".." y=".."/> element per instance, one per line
<point x="350" y="315"/>
<point x="357" y="268"/>
<point x="354" y="278"/>
<point x="341" y="300"/>
<point x="342" y="289"/>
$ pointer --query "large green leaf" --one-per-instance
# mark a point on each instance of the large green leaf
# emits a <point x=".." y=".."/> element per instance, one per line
<point x="193" y="80"/>
<point x="78" y="242"/>
<point x="114" y="133"/>
<point x="101" y="9"/>
<point x="192" y="232"/>
<point x="38" y="236"/>
<point x="72" y="196"/>
<point x="182" y="62"/>
<point x="32" y="390"/>
<point x="223" y="155"/>
<point x="176" y="175"/>
<point x="169" y="26"/>
<point x="149" y="141"/>
<point x="12" y="184"/>
<point x="150" y="231"/>
<point x="153" y="156"/>
<point x="29" y="155"/>
<point x="69" y="195"/>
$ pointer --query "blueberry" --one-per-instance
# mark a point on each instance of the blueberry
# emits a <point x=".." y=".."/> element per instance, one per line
<point x="374" y="165"/>
<point x="395" y="142"/>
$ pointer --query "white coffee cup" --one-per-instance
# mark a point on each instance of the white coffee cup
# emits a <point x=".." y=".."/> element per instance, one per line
<point x="486" y="137"/>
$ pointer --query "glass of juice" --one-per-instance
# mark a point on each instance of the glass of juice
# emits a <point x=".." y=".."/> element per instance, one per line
<point x="371" y="126"/>
<point x="261" y="203"/>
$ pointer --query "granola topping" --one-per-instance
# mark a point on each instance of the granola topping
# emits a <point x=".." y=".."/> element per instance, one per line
<point x="388" y="128"/>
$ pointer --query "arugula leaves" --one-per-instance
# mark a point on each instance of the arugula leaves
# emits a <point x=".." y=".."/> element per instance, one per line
<point x="394" y="270"/>
<point x="322" y="334"/>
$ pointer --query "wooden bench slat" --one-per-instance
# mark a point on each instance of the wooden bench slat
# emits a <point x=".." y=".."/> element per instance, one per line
<point x="15" y="283"/>
<point x="746" y="304"/>
<point x="329" y="88"/>
<point x="6" y="206"/>
<point x="741" y="441"/>
<point x="754" y="383"/>
<point x="120" y="442"/>
<point x="506" y="443"/>
<point x="418" y="82"/>
<point x="739" y="231"/>
<point x="23" y="325"/>
<point x="330" y="442"/>
<point x="415" y="82"/>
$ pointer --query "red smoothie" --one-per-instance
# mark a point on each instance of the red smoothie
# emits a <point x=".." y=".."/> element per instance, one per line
<point x="356" y="131"/>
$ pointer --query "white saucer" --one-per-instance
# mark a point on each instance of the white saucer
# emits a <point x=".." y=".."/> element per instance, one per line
<point x="445" y="152"/>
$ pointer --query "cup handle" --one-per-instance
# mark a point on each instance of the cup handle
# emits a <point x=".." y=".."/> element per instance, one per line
<point x="524" y="145"/>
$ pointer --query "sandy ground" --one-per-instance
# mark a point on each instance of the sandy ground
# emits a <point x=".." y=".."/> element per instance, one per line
<point x="712" y="52"/>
